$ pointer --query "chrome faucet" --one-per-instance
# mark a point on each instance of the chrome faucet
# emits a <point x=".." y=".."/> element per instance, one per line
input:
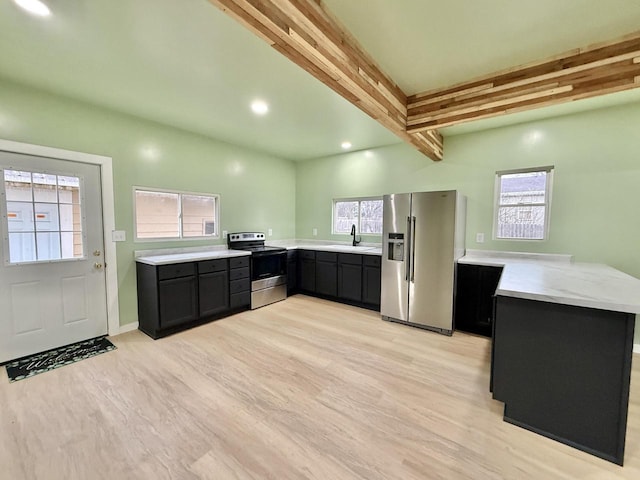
<point x="353" y="232"/>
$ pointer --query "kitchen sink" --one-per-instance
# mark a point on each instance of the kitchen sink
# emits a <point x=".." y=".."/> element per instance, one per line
<point x="347" y="248"/>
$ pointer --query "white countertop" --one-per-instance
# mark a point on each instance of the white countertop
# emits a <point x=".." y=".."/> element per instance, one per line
<point x="557" y="279"/>
<point x="167" y="256"/>
<point x="166" y="259"/>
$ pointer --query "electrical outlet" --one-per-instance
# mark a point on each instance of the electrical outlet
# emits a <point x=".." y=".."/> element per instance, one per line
<point x="315" y="232"/>
<point x="118" y="235"/>
<point x="270" y="232"/>
<point x="479" y="237"/>
<point x="224" y="233"/>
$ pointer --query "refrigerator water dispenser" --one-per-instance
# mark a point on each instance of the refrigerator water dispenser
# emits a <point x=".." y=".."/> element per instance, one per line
<point x="396" y="246"/>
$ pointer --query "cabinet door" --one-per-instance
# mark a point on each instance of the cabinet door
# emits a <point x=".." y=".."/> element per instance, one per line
<point x="307" y="275"/>
<point x="214" y="293"/>
<point x="292" y="271"/>
<point x="350" y="282"/>
<point x="489" y="278"/>
<point x="476" y="285"/>
<point x="371" y="280"/>
<point x="178" y="301"/>
<point x="327" y="278"/>
<point x="467" y="297"/>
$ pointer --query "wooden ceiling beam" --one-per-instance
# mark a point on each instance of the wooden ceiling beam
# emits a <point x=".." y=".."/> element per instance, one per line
<point x="582" y="73"/>
<point x="311" y="37"/>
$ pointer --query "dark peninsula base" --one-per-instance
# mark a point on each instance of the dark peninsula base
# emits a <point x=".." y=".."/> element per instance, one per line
<point x="564" y="372"/>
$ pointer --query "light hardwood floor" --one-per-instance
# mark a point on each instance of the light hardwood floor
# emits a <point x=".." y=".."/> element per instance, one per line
<point x="301" y="389"/>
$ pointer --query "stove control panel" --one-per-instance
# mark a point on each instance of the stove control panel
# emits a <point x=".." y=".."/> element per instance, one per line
<point x="246" y="236"/>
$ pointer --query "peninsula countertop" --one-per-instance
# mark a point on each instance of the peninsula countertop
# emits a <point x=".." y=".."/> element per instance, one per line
<point x="557" y="279"/>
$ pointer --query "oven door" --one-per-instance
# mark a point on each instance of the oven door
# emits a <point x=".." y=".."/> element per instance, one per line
<point x="268" y="264"/>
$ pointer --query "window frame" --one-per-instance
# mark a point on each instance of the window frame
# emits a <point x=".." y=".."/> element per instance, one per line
<point x="549" y="169"/>
<point x="352" y="199"/>
<point x="5" y="218"/>
<point x="180" y="237"/>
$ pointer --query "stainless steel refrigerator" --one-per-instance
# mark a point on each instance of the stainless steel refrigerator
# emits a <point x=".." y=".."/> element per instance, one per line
<point x="423" y="236"/>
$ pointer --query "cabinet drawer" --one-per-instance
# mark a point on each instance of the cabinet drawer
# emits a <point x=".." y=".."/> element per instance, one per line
<point x="209" y="266"/>
<point x="326" y="256"/>
<point x="239" y="262"/>
<point x="350" y="258"/>
<point x="238" y="273"/>
<point x="242" y="285"/>
<point x="176" y="270"/>
<point x="371" y="260"/>
<point x="240" y="300"/>
<point x="307" y="254"/>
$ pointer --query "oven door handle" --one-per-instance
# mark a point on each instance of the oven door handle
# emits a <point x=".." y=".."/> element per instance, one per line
<point x="266" y="254"/>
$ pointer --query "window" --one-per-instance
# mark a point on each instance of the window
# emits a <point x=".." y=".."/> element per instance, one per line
<point x="44" y="216"/>
<point x="164" y="215"/>
<point x="365" y="213"/>
<point x="522" y="204"/>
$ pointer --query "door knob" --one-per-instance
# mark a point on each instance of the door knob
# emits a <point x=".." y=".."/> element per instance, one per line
<point x="97" y="265"/>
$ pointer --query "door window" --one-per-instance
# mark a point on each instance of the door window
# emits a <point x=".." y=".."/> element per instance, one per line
<point x="44" y="216"/>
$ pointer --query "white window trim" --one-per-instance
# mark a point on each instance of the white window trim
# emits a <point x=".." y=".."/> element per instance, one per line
<point x="547" y="203"/>
<point x="180" y="238"/>
<point x="352" y="199"/>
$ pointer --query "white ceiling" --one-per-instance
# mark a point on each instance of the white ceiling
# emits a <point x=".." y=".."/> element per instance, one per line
<point x="426" y="44"/>
<point x="186" y="64"/>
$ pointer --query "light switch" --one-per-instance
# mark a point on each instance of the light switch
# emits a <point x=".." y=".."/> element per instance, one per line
<point x="315" y="232"/>
<point x="118" y="235"/>
<point x="479" y="237"/>
<point x="224" y="233"/>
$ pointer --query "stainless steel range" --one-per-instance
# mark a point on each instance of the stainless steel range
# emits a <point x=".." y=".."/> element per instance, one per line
<point x="268" y="267"/>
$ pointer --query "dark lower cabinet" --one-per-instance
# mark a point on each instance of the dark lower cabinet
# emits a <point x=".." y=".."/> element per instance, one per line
<point x="178" y="296"/>
<point x="564" y="372"/>
<point x="371" y="280"/>
<point x="350" y="277"/>
<point x="213" y="287"/>
<point x="177" y="301"/>
<point x="292" y="272"/>
<point x="475" y="288"/>
<point x="343" y="277"/>
<point x="240" y="283"/>
<point x="307" y="271"/>
<point x="326" y="274"/>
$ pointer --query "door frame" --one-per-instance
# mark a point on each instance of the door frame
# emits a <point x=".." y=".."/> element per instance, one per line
<point x="108" y="215"/>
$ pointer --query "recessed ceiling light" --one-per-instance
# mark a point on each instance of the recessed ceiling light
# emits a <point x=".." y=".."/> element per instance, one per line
<point x="35" y="7"/>
<point x="346" y="145"/>
<point x="259" y="107"/>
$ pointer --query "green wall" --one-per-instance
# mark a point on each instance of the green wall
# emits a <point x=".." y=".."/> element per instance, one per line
<point x="594" y="208"/>
<point x="595" y="203"/>
<point x="594" y="212"/>
<point x="257" y="190"/>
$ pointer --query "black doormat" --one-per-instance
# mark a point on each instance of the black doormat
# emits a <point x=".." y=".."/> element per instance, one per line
<point x="59" y="357"/>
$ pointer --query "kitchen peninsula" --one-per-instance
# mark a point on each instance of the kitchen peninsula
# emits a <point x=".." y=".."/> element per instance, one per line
<point x="562" y="348"/>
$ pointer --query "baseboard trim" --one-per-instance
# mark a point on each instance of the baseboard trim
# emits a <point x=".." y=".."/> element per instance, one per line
<point x="134" y="326"/>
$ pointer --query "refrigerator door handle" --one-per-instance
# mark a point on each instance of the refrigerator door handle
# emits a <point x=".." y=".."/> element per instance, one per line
<point x="413" y="250"/>
<point x="407" y="262"/>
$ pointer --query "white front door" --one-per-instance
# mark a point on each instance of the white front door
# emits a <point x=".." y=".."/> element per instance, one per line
<point x="52" y="277"/>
